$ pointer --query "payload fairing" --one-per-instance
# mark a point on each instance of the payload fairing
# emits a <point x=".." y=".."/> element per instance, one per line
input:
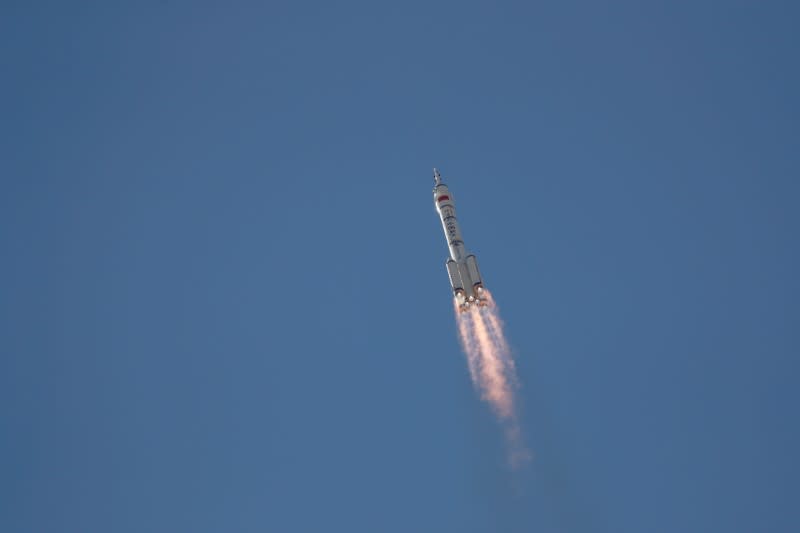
<point x="465" y="278"/>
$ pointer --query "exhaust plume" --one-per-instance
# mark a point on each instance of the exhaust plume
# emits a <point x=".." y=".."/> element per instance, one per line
<point x="491" y="368"/>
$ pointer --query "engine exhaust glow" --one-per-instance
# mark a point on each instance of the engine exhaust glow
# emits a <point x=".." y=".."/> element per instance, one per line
<point x="492" y="369"/>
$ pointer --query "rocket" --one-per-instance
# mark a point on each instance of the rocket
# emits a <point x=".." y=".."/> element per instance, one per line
<point x="465" y="278"/>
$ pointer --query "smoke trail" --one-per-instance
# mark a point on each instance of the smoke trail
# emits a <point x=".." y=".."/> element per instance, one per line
<point x="492" y="370"/>
<point x="469" y="344"/>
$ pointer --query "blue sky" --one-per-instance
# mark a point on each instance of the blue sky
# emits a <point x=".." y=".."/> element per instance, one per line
<point x="224" y="303"/>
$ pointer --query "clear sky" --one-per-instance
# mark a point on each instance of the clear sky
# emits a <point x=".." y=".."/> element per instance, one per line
<point x="223" y="301"/>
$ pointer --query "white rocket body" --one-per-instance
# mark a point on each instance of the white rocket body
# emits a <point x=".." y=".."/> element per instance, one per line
<point x="465" y="278"/>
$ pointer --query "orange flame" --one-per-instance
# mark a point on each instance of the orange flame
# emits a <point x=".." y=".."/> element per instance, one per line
<point x="492" y="370"/>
